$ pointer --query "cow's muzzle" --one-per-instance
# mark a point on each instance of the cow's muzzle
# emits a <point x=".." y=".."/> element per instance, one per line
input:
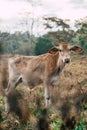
<point x="67" y="60"/>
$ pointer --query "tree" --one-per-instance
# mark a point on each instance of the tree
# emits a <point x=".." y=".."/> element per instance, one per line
<point x="1" y="50"/>
<point x="81" y="34"/>
<point x="58" y="29"/>
<point x="42" y="45"/>
<point x="17" y="43"/>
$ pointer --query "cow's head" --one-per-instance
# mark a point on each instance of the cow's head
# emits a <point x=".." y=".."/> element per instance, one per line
<point x="64" y="50"/>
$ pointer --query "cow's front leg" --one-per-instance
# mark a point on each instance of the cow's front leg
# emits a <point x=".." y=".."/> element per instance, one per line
<point x="48" y="95"/>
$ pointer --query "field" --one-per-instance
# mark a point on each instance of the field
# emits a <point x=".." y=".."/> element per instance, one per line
<point x="67" y="112"/>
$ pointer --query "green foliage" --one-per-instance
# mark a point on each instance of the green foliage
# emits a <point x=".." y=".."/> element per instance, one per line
<point x="17" y="43"/>
<point x="81" y="126"/>
<point x="81" y="35"/>
<point x="56" y="125"/>
<point x="42" y="46"/>
<point x="1" y="50"/>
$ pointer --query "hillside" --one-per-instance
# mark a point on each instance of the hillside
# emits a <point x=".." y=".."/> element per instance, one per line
<point x="69" y="108"/>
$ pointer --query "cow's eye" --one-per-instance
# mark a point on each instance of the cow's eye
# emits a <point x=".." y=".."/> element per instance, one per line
<point x="70" y="49"/>
<point x="60" y="50"/>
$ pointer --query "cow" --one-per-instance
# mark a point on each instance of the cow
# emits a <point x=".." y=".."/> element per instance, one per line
<point x="43" y="69"/>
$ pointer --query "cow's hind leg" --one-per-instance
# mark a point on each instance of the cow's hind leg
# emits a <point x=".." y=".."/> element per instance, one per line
<point x="14" y="82"/>
<point x="14" y="76"/>
<point x="18" y="81"/>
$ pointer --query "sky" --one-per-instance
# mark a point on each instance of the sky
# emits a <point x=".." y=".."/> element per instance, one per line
<point x="16" y="15"/>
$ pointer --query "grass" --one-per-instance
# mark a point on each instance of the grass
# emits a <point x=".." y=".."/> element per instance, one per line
<point x="56" y="124"/>
<point x="69" y="100"/>
<point x="81" y="125"/>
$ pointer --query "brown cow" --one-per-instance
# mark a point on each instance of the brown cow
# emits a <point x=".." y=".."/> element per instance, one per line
<point x="34" y="70"/>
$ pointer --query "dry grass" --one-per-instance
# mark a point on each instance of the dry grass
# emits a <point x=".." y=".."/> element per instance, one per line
<point x="69" y="99"/>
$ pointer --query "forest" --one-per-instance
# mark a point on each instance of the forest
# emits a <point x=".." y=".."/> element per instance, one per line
<point x="58" y="30"/>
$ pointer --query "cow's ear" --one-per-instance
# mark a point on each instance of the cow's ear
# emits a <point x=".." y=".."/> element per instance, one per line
<point x="76" y="49"/>
<point x="53" y="50"/>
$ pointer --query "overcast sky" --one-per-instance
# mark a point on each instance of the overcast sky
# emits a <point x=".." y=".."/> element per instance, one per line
<point x="14" y="12"/>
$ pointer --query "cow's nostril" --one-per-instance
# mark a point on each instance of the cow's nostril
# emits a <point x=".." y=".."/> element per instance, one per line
<point x="67" y="60"/>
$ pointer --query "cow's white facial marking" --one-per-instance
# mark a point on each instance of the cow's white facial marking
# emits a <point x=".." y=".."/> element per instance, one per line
<point x="64" y="52"/>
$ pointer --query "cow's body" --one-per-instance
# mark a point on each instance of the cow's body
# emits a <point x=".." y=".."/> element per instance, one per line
<point x="34" y="70"/>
